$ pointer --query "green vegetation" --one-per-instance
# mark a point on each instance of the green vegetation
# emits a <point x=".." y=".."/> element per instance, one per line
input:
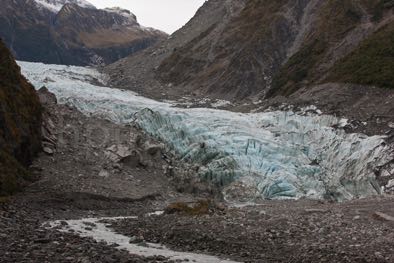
<point x="20" y="123"/>
<point x="372" y="63"/>
<point x="255" y="21"/>
<point x="298" y="68"/>
<point x="336" y="18"/>
<point x="13" y="175"/>
<point x="4" y="199"/>
<point x="9" y="71"/>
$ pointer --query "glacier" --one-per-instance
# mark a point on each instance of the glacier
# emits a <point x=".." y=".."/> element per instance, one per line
<point x="270" y="155"/>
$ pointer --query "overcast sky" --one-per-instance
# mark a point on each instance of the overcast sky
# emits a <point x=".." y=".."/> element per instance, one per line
<point x="166" y="15"/>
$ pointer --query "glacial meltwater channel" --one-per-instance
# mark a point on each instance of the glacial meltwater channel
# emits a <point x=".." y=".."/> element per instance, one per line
<point x="275" y="155"/>
<point x="101" y="233"/>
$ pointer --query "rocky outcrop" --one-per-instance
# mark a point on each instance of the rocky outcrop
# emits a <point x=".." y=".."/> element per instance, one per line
<point x="20" y="124"/>
<point x="259" y="49"/>
<point x="48" y="127"/>
<point x="71" y="32"/>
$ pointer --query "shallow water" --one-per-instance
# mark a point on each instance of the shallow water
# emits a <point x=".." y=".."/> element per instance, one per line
<point x="95" y="228"/>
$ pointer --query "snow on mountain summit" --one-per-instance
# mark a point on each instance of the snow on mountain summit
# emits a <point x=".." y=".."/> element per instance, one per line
<point x="121" y="11"/>
<point x="56" y="5"/>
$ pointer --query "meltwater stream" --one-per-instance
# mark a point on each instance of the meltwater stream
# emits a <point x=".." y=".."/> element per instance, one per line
<point x="98" y="230"/>
<point x="272" y="155"/>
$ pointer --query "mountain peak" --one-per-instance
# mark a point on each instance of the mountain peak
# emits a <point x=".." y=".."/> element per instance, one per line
<point x="72" y="32"/>
<point x="121" y="11"/>
<point x="56" y="5"/>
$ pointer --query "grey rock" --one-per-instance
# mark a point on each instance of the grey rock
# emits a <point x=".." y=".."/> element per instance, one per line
<point x="153" y="149"/>
<point x="104" y="173"/>
<point x="48" y="151"/>
<point x="134" y="159"/>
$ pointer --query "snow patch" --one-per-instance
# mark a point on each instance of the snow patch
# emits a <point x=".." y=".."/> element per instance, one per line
<point x="123" y="12"/>
<point x="130" y="19"/>
<point x="56" y="5"/>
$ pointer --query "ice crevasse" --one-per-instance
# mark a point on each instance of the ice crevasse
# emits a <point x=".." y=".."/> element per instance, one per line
<point x="273" y="155"/>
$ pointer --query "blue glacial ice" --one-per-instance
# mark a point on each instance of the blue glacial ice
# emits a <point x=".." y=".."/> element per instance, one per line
<point x="273" y="155"/>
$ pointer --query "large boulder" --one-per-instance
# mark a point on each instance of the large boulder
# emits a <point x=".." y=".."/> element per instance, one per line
<point x="20" y="124"/>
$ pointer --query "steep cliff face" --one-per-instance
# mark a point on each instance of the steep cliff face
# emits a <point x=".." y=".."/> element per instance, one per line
<point x="20" y="124"/>
<point x="242" y="56"/>
<point x="371" y="63"/>
<point x="71" y="32"/>
<point x="261" y="48"/>
<point x="340" y="32"/>
<point x="140" y="70"/>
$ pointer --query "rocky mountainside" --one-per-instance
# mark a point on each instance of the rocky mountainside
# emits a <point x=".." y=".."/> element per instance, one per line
<point x="139" y="70"/>
<point x="20" y="124"/>
<point x="71" y="32"/>
<point x="329" y="53"/>
<point x="263" y="48"/>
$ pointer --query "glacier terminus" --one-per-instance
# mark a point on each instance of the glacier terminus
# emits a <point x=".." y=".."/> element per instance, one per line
<point x="270" y="155"/>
